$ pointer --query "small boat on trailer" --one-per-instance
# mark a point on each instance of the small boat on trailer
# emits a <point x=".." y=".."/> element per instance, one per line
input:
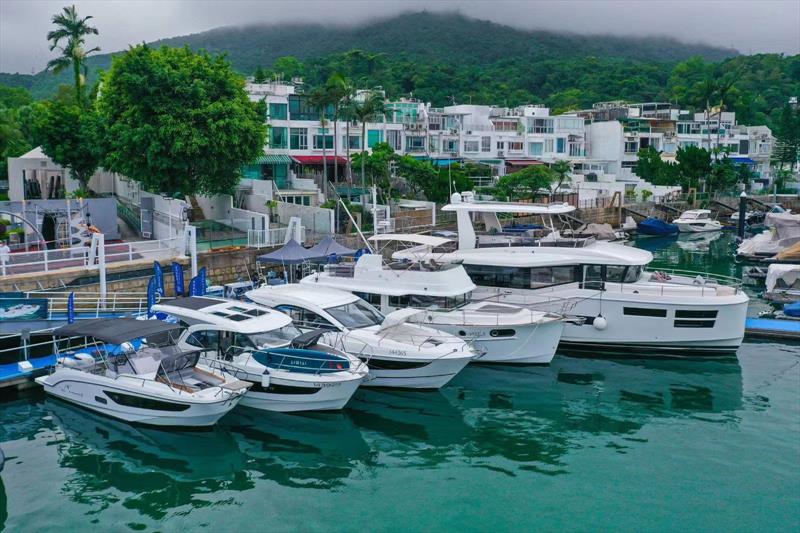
<point x="288" y="370"/>
<point x="132" y="370"/>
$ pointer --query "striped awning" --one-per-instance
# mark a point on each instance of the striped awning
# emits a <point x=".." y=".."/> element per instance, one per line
<point x="272" y="159"/>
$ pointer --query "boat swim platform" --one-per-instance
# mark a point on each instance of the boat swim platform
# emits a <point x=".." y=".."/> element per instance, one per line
<point x="772" y="328"/>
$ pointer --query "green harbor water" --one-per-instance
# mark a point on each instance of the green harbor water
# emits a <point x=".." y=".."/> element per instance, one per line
<point x="580" y="445"/>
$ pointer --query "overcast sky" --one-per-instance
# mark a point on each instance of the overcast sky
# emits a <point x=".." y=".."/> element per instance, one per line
<point x="750" y="26"/>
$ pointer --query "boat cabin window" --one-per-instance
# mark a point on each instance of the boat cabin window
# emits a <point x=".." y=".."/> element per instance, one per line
<point x="207" y="339"/>
<point x="305" y="318"/>
<point x="428" y="302"/>
<point x="523" y="277"/>
<point x="358" y="314"/>
<point x="372" y="298"/>
<point x="594" y="274"/>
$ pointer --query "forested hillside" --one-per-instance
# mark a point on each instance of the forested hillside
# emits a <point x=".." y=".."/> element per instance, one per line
<point x="447" y="57"/>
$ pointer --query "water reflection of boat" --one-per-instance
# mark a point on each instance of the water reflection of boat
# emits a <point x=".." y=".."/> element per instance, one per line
<point x="536" y="415"/>
<point x="179" y="455"/>
<point x="309" y="450"/>
<point x="408" y="418"/>
<point x="697" y="242"/>
<point x="653" y="244"/>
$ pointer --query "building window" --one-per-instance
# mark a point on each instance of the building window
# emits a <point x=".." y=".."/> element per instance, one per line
<point x="298" y="138"/>
<point x="450" y="145"/>
<point x="433" y="144"/>
<point x="548" y="145"/>
<point x="631" y="147"/>
<point x="300" y="110"/>
<point x="374" y="137"/>
<point x="486" y="144"/>
<point x="471" y="146"/>
<point x="744" y="147"/>
<point x="355" y="142"/>
<point x="278" y="111"/>
<point x="394" y="139"/>
<point x="501" y="145"/>
<point x="540" y="125"/>
<point x="277" y="138"/>
<point x="415" y="144"/>
<point x="575" y="150"/>
<point x="321" y="137"/>
<point x="514" y="146"/>
<point x="560" y="145"/>
<point x="536" y="148"/>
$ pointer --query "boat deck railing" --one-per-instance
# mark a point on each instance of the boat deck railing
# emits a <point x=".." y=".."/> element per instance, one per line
<point x="92" y="304"/>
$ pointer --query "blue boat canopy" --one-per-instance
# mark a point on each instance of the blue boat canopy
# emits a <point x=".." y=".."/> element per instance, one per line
<point x="327" y="247"/>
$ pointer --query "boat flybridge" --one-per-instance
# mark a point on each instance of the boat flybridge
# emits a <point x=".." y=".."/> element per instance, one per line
<point x="287" y="370"/>
<point x="132" y="370"/>
<point x="697" y="220"/>
<point x="399" y="354"/>
<point x="501" y="333"/>
<point x="624" y="307"/>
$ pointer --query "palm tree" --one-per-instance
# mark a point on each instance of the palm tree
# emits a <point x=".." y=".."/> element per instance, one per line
<point x="72" y="29"/>
<point x="338" y="89"/>
<point x="561" y="169"/>
<point x="363" y="109"/>
<point x="319" y="99"/>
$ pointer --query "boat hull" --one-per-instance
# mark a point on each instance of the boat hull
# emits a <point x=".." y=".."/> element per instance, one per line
<point x="288" y="391"/>
<point x="529" y="344"/>
<point x="686" y="227"/>
<point x="175" y="412"/>
<point x="665" y="332"/>
<point x="415" y="374"/>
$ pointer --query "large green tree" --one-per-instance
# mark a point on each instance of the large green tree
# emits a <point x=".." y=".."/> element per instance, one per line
<point x="71" y="30"/>
<point x="694" y="164"/>
<point x="528" y="183"/>
<point x="179" y="121"/>
<point x="71" y="136"/>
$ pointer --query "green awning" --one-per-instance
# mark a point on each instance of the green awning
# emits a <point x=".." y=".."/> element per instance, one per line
<point x="273" y="159"/>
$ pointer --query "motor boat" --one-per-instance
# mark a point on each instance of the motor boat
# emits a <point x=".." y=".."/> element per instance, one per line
<point x="399" y="354"/>
<point x="623" y="308"/>
<point x="656" y="227"/>
<point x="287" y="370"/>
<point x="783" y="232"/>
<point x="697" y="220"/>
<point x="783" y="283"/>
<point x="501" y="333"/>
<point x="132" y="370"/>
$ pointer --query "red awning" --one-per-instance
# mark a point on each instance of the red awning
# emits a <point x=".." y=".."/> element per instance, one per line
<point x="319" y="160"/>
<point x="523" y="162"/>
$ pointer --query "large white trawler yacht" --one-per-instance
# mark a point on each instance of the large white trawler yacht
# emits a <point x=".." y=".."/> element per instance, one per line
<point x="398" y="354"/>
<point x="132" y="370"/>
<point x="288" y="371"/>
<point x="501" y="333"/>
<point x="625" y="308"/>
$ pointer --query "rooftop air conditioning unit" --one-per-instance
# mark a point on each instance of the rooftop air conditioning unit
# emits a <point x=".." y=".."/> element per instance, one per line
<point x="500" y="153"/>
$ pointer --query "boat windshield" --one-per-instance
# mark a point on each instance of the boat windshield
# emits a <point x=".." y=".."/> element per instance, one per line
<point x="268" y="339"/>
<point x="358" y="314"/>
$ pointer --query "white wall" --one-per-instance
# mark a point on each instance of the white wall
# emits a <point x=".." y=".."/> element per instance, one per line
<point x="101" y="182"/>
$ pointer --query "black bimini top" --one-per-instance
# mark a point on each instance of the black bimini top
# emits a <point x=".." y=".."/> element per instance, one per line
<point x="115" y="330"/>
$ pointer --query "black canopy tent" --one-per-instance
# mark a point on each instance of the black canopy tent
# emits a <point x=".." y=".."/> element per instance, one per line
<point x="115" y="330"/>
<point x="328" y="247"/>
<point x="291" y="253"/>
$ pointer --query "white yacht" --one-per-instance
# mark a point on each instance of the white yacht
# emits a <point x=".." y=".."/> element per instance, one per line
<point x="625" y="308"/>
<point x="132" y="370"/>
<point x="697" y="220"/>
<point x="399" y="354"/>
<point x="500" y="333"/>
<point x="287" y="370"/>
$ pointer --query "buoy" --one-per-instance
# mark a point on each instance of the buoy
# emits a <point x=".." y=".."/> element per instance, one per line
<point x="600" y="323"/>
